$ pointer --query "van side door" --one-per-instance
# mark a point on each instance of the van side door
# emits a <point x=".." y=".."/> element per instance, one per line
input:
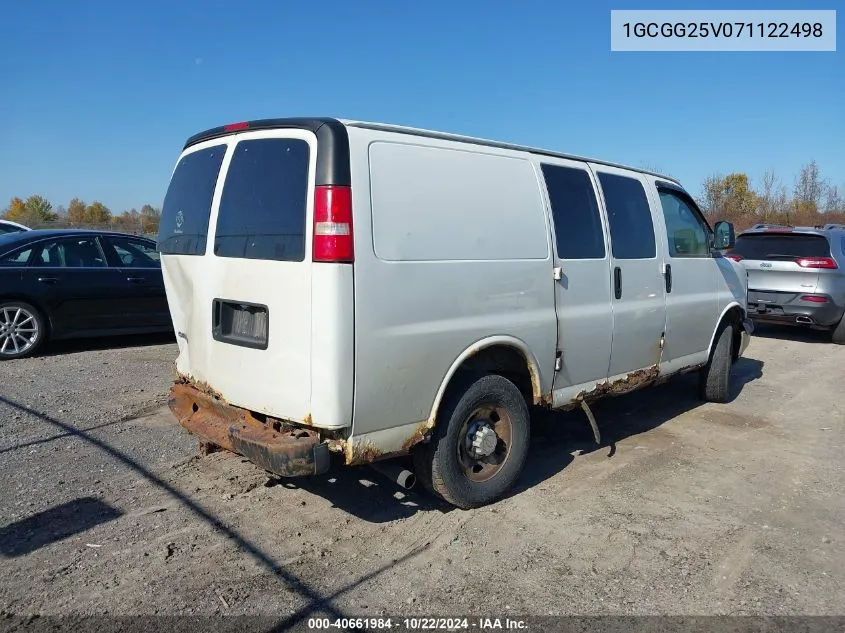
<point x="691" y="279"/>
<point x="638" y="296"/>
<point x="582" y="279"/>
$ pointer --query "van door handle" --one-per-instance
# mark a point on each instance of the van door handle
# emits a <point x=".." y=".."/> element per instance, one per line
<point x="48" y="280"/>
<point x="668" y="275"/>
<point x="617" y="282"/>
<point x="136" y="280"/>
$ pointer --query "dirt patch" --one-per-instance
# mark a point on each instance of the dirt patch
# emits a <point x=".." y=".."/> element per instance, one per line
<point x="682" y="516"/>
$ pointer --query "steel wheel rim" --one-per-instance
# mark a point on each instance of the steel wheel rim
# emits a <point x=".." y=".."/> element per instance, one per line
<point x="18" y="330"/>
<point x="479" y="470"/>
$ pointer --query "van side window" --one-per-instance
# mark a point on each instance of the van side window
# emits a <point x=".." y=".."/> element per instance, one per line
<point x="686" y="232"/>
<point x="578" y="231"/>
<point x="262" y="208"/>
<point x="629" y="217"/>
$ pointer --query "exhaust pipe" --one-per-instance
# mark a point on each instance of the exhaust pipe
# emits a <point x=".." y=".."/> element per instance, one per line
<point x="395" y="473"/>
<point x="804" y="320"/>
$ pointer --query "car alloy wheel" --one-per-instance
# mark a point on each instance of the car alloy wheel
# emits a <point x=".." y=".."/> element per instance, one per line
<point x="19" y="330"/>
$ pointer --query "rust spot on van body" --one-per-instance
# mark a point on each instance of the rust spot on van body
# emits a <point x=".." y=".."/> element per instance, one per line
<point x="627" y="384"/>
<point x="360" y="453"/>
<point x="536" y="387"/>
<point x="419" y="435"/>
<point x="199" y="385"/>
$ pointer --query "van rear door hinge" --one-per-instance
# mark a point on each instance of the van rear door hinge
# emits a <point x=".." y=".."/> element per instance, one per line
<point x="558" y="360"/>
<point x="557" y="272"/>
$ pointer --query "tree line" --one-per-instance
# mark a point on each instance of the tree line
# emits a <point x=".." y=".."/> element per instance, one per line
<point x="811" y="201"/>
<point x="37" y="212"/>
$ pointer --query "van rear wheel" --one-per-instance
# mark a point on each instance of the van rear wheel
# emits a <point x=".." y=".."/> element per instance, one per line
<point x="480" y="443"/>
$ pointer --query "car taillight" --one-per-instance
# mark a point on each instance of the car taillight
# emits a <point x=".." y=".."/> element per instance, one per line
<point x="734" y="257"/>
<point x="814" y="298"/>
<point x="817" y="262"/>
<point x="234" y="127"/>
<point x="333" y="224"/>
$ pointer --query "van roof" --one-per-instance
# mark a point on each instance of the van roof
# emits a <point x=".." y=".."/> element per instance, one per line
<point x="315" y="123"/>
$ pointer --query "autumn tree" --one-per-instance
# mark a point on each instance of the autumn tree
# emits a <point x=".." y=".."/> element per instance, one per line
<point x="772" y="199"/>
<point x="34" y="211"/>
<point x="76" y="211"/>
<point x="833" y="201"/>
<point x="16" y="210"/>
<point x="150" y="217"/>
<point x="40" y="208"/>
<point x="97" y="213"/>
<point x="729" y="198"/>
<point x="129" y="221"/>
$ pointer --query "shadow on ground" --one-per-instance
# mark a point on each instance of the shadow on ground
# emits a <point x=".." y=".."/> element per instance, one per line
<point x="53" y="525"/>
<point x="367" y="494"/>
<point x="70" y="346"/>
<point x="555" y="436"/>
<point x="14" y="537"/>
<point x="791" y="333"/>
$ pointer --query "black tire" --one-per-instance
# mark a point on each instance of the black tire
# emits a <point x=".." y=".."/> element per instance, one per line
<point x="438" y="464"/>
<point x="838" y="334"/>
<point x="715" y="378"/>
<point x="30" y="315"/>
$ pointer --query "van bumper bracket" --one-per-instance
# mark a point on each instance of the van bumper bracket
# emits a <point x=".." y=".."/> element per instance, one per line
<point x="278" y="447"/>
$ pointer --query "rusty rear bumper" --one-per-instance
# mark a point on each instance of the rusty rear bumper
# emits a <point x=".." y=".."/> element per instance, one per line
<point x="285" y="450"/>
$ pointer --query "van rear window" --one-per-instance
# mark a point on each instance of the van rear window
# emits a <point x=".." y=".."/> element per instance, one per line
<point x="781" y="246"/>
<point x="262" y="209"/>
<point x="183" y="229"/>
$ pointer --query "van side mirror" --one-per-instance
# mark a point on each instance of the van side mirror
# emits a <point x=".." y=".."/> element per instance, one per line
<point x="724" y="235"/>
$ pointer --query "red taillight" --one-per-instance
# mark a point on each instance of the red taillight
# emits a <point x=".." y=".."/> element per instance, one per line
<point x="234" y="127"/>
<point x="817" y="262"/>
<point x="734" y="257"/>
<point x="814" y="298"/>
<point x="333" y="224"/>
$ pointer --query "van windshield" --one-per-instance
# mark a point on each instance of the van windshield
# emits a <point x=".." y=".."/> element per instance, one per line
<point x="781" y="246"/>
<point x="183" y="229"/>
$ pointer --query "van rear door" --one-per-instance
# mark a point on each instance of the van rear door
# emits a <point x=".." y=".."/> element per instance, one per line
<point x="234" y="238"/>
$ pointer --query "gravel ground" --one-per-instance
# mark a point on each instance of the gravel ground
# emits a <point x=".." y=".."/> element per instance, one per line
<point x="687" y="508"/>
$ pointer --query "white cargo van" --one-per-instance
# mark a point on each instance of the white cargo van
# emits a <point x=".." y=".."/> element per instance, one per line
<point x="368" y="290"/>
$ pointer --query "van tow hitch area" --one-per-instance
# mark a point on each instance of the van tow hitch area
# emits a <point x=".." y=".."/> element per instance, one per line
<point x="275" y="446"/>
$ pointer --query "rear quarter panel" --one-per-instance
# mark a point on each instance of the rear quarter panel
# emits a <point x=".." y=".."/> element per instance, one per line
<point x="452" y="247"/>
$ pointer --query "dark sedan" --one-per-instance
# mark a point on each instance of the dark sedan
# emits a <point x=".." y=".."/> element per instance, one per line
<point x="68" y="283"/>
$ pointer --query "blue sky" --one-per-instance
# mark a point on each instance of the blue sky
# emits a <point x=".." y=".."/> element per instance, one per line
<point x="98" y="97"/>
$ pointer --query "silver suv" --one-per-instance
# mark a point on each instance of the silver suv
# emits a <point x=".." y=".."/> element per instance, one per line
<point x="796" y="275"/>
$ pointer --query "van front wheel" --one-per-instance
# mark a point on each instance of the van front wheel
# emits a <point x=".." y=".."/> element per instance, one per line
<point x="480" y="443"/>
<point x="715" y="378"/>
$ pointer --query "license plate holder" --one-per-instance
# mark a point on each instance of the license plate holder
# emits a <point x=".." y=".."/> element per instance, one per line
<point x="240" y="323"/>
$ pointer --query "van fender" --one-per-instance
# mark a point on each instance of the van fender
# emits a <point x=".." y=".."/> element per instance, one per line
<point x="490" y="341"/>
<point x="370" y="447"/>
<point x="728" y="308"/>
